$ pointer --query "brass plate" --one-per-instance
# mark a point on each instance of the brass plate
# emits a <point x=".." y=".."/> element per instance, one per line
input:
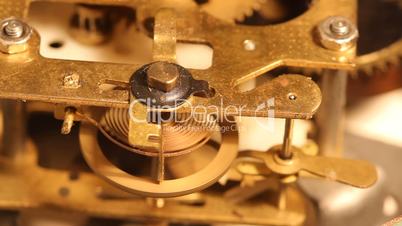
<point x="28" y="76"/>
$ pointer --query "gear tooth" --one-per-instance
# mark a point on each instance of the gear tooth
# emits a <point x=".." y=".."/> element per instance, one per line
<point x="244" y="8"/>
<point x="381" y="60"/>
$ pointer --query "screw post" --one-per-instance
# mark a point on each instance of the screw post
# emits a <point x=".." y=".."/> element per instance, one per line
<point x="14" y="29"/>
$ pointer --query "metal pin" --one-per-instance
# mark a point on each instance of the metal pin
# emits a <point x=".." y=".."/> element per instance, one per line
<point x="68" y="120"/>
<point x="286" y="152"/>
<point x="161" y="166"/>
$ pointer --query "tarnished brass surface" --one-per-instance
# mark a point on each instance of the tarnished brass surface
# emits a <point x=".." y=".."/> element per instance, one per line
<point x="241" y="53"/>
<point x="357" y="173"/>
<point x="165" y="32"/>
<point x="30" y="186"/>
<point x="380" y="59"/>
<point x="143" y="134"/>
<point x="167" y="188"/>
<point x="231" y="11"/>
<point x="178" y="137"/>
<point x="29" y="76"/>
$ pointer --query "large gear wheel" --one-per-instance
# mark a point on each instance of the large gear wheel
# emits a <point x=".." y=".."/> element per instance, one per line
<point x="379" y="49"/>
<point x="381" y="60"/>
<point x="380" y="42"/>
<point x="230" y="11"/>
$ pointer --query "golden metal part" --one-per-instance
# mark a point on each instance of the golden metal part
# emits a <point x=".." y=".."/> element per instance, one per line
<point x="181" y="137"/>
<point x="164" y="48"/>
<point x="143" y="134"/>
<point x="380" y="60"/>
<point x="68" y="120"/>
<point x="386" y="53"/>
<point x="167" y="188"/>
<point x="250" y="52"/>
<point x="356" y="173"/>
<point x="162" y="76"/>
<point x="289" y="45"/>
<point x="231" y="11"/>
<point x="33" y="187"/>
<point x="185" y="165"/>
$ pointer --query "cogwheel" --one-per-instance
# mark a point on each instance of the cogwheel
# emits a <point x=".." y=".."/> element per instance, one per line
<point x="380" y="42"/>
<point x="380" y="60"/>
<point x="379" y="48"/>
<point x="230" y="11"/>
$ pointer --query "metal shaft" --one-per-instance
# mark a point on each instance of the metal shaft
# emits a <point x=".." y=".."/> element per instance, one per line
<point x="287" y="140"/>
<point x="14" y="128"/>
<point x="331" y="115"/>
<point x="68" y="120"/>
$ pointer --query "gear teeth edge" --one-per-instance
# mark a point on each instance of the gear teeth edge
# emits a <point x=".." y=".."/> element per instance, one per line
<point x="392" y="58"/>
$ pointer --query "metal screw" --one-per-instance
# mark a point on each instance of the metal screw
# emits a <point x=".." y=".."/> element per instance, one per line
<point x="14" y="36"/>
<point x="162" y="76"/>
<point x="71" y="80"/>
<point x="14" y="28"/>
<point x="340" y="27"/>
<point x="337" y="33"/>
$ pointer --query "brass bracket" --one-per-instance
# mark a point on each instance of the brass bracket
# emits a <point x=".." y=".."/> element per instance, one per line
<point x="29" y="76"/>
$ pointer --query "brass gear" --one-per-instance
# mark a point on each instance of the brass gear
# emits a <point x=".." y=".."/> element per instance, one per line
<point x="226" y="152"/>
<point x="379" y="49"/>
<point x="380" y="60"/>
<point x="380" y="43"/>
<point x="231" y="11"/>
<point x="375" y="63"/>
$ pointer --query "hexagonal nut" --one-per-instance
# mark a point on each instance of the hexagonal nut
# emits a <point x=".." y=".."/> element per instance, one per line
<point x="12" y="45"/>
<point x="333" y="41"/>
<point x="12" y="48"/>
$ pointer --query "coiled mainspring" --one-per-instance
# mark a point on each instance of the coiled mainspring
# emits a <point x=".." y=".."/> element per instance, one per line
<point x="180" y="136"/>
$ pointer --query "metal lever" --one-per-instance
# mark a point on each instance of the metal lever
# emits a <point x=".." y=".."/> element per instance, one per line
<point x="357" y="173"/>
